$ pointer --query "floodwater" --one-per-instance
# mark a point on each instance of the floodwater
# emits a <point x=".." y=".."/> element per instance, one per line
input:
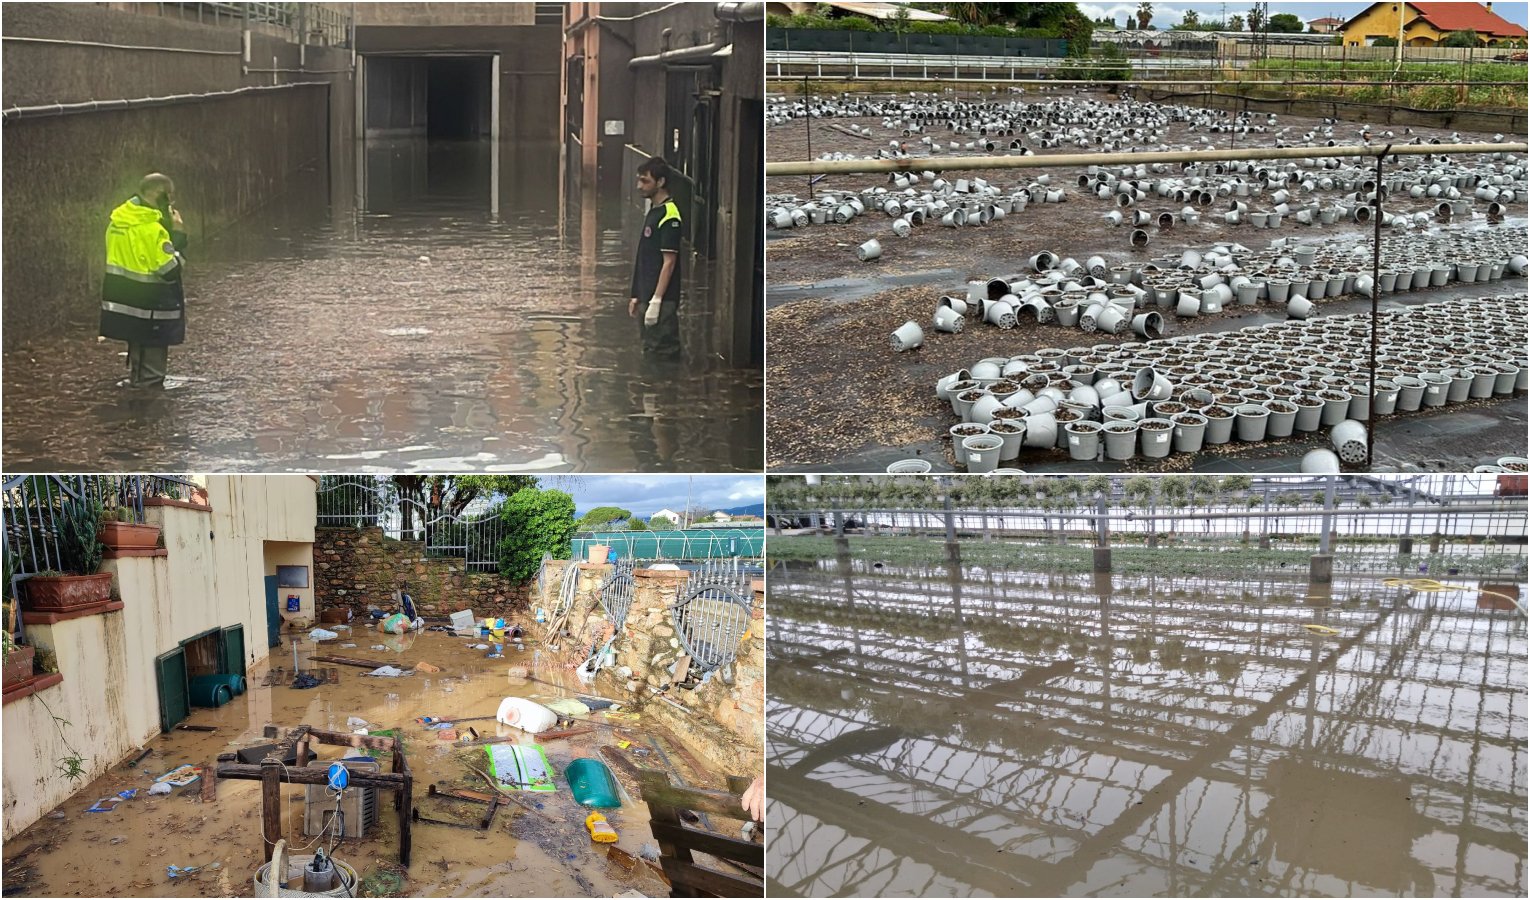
<point x="1003" y="733"/>
<point x="524" y="853"/>
<point x="421" y="334"/>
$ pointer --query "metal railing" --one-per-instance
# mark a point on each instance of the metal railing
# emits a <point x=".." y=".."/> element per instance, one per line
<point x="32" y="506"/>
<point x="366" y="501"/>
<point x="690" y="544"/>
<point x="712" y="613"/>
<point x="310" y="23"/>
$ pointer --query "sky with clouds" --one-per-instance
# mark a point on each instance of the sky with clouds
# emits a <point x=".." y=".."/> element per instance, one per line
<point x="1168" y="14"/>
<point x="645" y="495"/>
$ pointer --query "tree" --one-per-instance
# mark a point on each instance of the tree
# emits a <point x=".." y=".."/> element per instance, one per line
<point x="1189" y="21"/>
<point x="1255" y="20"/>
<point x="449" y="495"/>
<point x="601" y="516"/>
<point x="1287" y="23"/>
<point x="1384" y="41"/>
<point x="661" y="523"/>
<point x="1467" y="38"/>
<point x="1144" y="15"/>
<point x="539" y="521"/>
<point x="636" y="524"/>
<point x="1235" y="23"/>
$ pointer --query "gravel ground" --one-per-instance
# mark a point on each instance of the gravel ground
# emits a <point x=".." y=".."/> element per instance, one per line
<point x="829" y="315"/>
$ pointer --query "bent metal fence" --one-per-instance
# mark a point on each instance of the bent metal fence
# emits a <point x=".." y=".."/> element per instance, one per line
<point x="32" y="506"/>
<point x="713" y="612"/>
<point x="689" y="544"/>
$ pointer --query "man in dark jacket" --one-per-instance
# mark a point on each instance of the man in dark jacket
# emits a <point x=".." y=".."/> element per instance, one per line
<point x="656" y="270"/>
<point x="142" y="301"/>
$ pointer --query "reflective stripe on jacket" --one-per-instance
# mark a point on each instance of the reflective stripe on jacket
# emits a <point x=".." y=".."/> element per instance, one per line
<point x="141" y="296"/>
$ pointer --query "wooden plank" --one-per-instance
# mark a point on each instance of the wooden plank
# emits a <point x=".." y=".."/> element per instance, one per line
<point x="356" y="661"/>
<point x="458" y="794"/>
<point x="565" y="733"/>
<point x="270" y="806"/>
<point x="657" y="790"/>
<point x="746" y="852"/>
<point x="209" y="783"/>
<point x="706" y="880"/>
<point x="346" y="739"/>
<point x="387" y="781"/>
<point x="617" y="758"/>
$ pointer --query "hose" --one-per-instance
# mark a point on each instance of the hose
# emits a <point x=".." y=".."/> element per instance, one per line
<point x="1429" y="585"/>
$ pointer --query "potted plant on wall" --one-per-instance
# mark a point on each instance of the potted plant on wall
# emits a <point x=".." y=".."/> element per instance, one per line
<point x="79" y="552"/>
<point x="121" y="531"/>
<point x="18" y="658"/>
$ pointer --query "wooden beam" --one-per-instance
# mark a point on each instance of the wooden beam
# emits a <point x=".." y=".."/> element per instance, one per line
<point x="270" y="806"/>
<point x="387" y="781"/>
<point x="717" y="845"/>
<point x="694" y="878"/>
<point x="657" y="789"/>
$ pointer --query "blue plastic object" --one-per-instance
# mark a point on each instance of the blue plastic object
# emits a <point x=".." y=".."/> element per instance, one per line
<point x="209" y="690"/>
<point x="339" y="777"/>
<point x="592" y="784"/>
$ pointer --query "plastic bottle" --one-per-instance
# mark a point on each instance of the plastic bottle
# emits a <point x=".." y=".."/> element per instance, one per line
<point x="601" y="831"/>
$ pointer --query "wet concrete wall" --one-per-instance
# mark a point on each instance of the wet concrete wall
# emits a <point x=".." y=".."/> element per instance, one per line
<point x="724" y="723"/>
<point x="354" y="567"/>
<point x="210" y="576"/>
<point x="62" y="175"/>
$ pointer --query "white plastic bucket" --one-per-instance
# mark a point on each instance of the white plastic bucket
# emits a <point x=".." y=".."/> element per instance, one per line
<point x="527" y="715"/>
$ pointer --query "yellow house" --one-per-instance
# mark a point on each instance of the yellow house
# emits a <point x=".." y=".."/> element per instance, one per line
<point x="1426" y="24"/>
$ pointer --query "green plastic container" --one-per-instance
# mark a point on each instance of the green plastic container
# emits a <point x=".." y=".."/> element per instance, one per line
<point x="593" y="784"/>
<point x="209" y="690"/>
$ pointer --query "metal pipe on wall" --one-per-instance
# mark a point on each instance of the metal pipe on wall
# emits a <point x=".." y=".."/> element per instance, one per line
<point x="89" y="106"/>
<point x="106" y="46"/>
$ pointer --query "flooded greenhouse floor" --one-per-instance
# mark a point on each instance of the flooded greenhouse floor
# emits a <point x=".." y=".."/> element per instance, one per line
<point x="540" y="852"/>
<point x="421" y="335"/>
<point x="1012" y="733"/>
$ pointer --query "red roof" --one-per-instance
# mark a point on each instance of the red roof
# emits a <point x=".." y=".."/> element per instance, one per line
<point x="1326" y="20"/>
<point x="1467" y="17"/>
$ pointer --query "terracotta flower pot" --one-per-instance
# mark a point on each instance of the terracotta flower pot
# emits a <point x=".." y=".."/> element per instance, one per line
<point x="18" y="666"/>
<point x="53" y="593"/>
<point x="129" y="536"/>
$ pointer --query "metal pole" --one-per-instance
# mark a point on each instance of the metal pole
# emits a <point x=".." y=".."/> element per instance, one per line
<point x="806" y="92"/>
<point x="1325" y="540"/>
<point x="1062" y="160"/>
<point x="1370" y="427"/>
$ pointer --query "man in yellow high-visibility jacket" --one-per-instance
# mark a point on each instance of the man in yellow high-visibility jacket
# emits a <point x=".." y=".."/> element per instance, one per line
<point x="142" y="301"/>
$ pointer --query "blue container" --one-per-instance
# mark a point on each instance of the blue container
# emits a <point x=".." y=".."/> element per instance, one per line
<point x="208" y="690"/>
<point x="235" y="683"/>
<point x="592" y="784"/>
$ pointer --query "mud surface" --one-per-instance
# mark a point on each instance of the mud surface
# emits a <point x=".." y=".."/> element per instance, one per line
<point x="419" y="335"/>
<point x="541" y="852"/>
<point x="1008" y="733"/>
<point x="829" y="316"/>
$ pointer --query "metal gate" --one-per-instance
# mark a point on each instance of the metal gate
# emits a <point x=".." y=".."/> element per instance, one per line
<point x="616" y="593"/>
<point x="713" y="613"/>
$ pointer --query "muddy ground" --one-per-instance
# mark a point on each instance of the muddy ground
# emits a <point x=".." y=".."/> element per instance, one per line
<point x="540" y="852"/>
<point x="996" y="731"/>
<point x="829" y="316"/>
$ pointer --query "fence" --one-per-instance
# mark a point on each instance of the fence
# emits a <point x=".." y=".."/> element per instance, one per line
<point x="837" y="41"/>
<point x="311" y="23"/>
<point x="362" y="501"/>
<point x="33" y="506"/>
<point x="713" y="613"/>
<point x="695" y="543"/>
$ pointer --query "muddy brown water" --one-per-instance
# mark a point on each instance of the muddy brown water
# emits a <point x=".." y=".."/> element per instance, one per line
<point x="419" y="334"/>
<point x="926" y="737"/>
<point x="124" y="853"/>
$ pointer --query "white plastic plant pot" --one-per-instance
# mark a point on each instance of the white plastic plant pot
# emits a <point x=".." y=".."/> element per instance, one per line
<point x="1189" y="431"/>
<point x="1043" y="261"/>
<point x="1165" y="221"/>
<point x="1067" y="312"/>
<point x="1219" y="423"/>
<point x="1107" y="387"/>
<point x="1460" y="386"/>
<point x="955" y="304"/>
<point x="984" y="408"/>
<point x="1149" y="384"/>
<point x="1084" y="396"/>
<point x="948" y="320"/>
<point x="1282" y="419"/>
<point x="781" y="218"/>
<point x="902" y="228"/>
<point x="1321" y="462"/>
<point x="1247" y="293"/>
<point x="893" y="208"/>
<point x="1111" y="320"/>
<point x="1436" y="388"/>
<point x="1120" y="440"/>
<point x="1036" y="308"/>
<point x="944" y="384"/>
<point x="1385" y="401"/>
<point x="1298" y="307"/>
<point x="1139" y="238"/>
<point x="909" y="467"/>
<point x="1483" y="378"/>
<point x="960" y="433"/>
<point x="987" y="370"/>
<point x="908" y="336"/>
<point x="1000" y="313"/>
<point x="1189" y="304"/>
<point x="843" y="213"/>
<point x="1042" y="404"/>
<point x="1349" y="440"/>
<point x="1040" y="430"/>
<point x="1309" y="412"/>
<point x="868" y="251"/>
<point x="1252" y="418"/>
<point x="1156" y="437"/>
<point x="1097" y="266"/>
<point x="799" y="218"/>
<point x="1012" y="433"/>
<point x="1083" y="438"/>
<point x="1121" y="413"/>
<point x="956" y="218"/>
<point x="1190" y="259"/>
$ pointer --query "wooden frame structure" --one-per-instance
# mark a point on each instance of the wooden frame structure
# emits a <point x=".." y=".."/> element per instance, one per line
<point x="272" y="774"/>
<point x="677" y="840"/>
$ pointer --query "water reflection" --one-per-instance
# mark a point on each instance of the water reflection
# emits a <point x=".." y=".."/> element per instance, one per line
<point x="936" y="732"/>
<point x="421" y="333"/>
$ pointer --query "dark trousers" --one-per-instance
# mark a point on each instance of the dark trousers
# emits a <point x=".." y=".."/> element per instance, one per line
<point x="663" y="337"/>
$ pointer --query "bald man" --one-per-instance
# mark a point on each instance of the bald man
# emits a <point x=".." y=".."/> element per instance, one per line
<point x="142" y="301"/>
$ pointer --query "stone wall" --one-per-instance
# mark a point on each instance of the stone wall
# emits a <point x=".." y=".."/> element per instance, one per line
<point x="720" y="722"/>
<point x="357" y="567"/>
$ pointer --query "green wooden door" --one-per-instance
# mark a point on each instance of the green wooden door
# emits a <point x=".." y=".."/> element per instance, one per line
<point x="174" y="694"/>
<point x="233" y="650"/>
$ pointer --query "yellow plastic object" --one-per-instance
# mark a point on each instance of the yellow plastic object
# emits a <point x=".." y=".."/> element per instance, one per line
<point x="1321" y="629"/>
<point x="601" y="831"/>
<point x="1430" y="585"/>
<point x="624" y="744"/>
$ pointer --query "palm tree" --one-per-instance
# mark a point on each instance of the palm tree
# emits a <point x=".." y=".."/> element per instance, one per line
<point x="1144" y="15"/>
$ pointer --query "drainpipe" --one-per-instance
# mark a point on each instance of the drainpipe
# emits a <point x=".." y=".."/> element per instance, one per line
<point x="700" y="53"/>
<point x="89" y="106"/>
<point x="740" y="12"/>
